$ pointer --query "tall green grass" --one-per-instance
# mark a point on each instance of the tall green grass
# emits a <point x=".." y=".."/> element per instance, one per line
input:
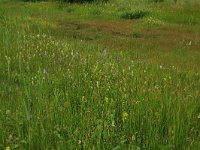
<point x="66" y="95"/>
<point x="68" y="1"/>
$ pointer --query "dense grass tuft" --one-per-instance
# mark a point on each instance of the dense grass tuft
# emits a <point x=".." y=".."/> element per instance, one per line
<point x="137" y="14"/>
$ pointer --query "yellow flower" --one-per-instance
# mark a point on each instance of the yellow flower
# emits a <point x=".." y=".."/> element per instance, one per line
<point x="124" y="116"/>
<point x="83" y="98"/>
<point x="113" y="123"/>
<point x="198" y="116"/>
<point x="106" y="99"/>
<point x="8" y="148"/>
<point x="97" y="84"/>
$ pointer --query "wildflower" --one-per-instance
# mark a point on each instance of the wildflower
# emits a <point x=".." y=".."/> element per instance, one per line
<point x="99" y="60"/>
<point x="44" y="71"/>
<point x="106" y="99"/>
<point x="117" y="60"/>
<point x="79" y="142"/>
<point x="8" y="148"/>
<point x="189" y="44"/>
<point x="104" y="52"/>
<point x="32" y="80"/>
<point x="44" y="74"/>
<point x="8" y="112"/>
<point x="161" y="66"/>
<point x="83" y="98"/>
<point x="170" y="77"/>
<point x="44" y="35"/>
<point x="97" y="84"/>
<point x="113" y="123"/>
<point x="133" y="138"/>
<point x="138" y="148"/>
<point x="123" y="71"/>
<point x="124" y="116"/>
<point x="72" y="53"/>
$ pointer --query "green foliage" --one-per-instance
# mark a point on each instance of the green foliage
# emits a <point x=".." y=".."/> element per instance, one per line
<point x="83" y="1"/>
<point x="34" y="0"/>
<point x="156" y="1"/>
<point x="138" y="14"/>
<point x="58" y="92"/>
<point x="69" y="1"/>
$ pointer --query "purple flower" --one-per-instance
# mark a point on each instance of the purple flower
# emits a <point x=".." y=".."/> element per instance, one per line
<point x="104" y="52"/>
<point x="99" y="60"/>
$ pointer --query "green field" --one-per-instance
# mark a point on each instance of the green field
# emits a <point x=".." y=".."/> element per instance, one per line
<point x="118" y="75"/>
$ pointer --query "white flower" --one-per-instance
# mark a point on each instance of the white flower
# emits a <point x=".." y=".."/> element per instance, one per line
<point x="104" y="52"/>
<point x="8" y="112"/>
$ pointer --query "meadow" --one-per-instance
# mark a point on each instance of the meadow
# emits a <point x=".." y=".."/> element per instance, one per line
<point x="122" y="74"/>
